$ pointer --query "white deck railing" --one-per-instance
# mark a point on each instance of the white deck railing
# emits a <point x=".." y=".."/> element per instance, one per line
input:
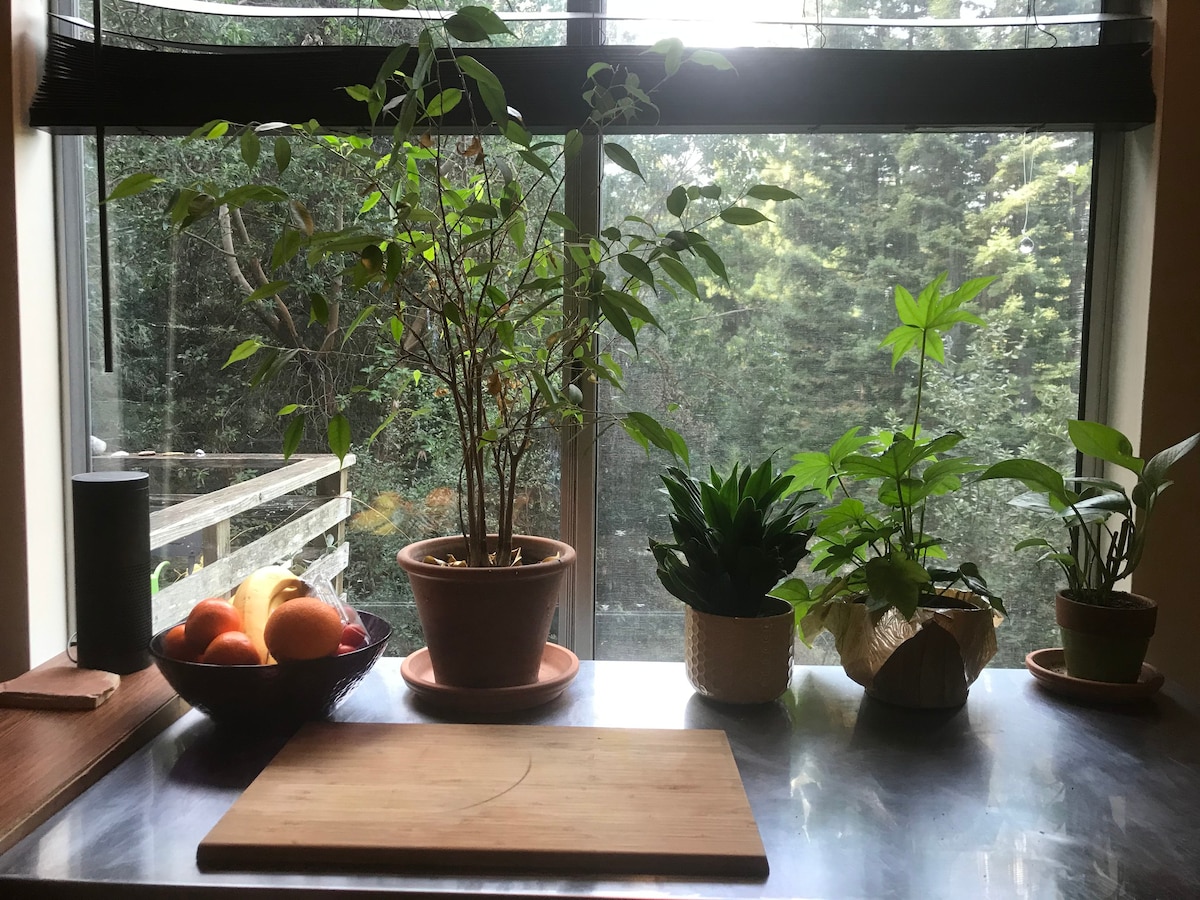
<point x="210" y="515"/>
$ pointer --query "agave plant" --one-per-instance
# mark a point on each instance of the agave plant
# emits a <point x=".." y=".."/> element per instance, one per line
<point x="735" y="538"/>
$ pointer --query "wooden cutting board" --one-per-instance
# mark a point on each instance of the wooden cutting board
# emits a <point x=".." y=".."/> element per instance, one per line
<point x="511" y="797"/>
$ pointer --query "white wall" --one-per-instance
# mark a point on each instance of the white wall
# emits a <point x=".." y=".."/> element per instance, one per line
<point x="33" y="621"/>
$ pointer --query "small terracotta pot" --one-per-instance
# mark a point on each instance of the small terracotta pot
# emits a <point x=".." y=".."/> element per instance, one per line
<point x="486" y="627"/>
<point x="740" y="660"/>
<point x="1106" y="643"/>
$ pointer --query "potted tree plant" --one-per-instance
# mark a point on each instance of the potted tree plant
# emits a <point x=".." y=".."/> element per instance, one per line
<point x="456" y="257"/>
<point x="1105" y="631"/>
<point x="734" y="539"/>
<point x="902" y="627"/>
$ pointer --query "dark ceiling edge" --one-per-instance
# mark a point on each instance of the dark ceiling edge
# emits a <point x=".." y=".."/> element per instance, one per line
<point x="788" y="90"/>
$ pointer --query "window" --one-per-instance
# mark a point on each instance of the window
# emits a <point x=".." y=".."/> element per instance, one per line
<point x="787" y="357"/>
<point x="782" y="360"/>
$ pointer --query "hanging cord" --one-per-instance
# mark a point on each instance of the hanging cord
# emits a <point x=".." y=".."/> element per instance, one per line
<point x="1031" y="11"/>
<point x="1026" y="244"/>
<point x="101" y="183"/>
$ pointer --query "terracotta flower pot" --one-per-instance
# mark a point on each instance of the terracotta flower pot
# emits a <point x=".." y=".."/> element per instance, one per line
<point x="1106" y="643"/>
<point x="486" y="627"/>
<point x="740" y="660"/>
<point x="929" y="662"/>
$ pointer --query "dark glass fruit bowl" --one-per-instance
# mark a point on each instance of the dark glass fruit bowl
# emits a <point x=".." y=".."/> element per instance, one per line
<point x="269" y="695"/>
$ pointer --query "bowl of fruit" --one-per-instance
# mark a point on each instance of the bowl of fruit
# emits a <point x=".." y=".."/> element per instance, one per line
<point x="278" y="651"/>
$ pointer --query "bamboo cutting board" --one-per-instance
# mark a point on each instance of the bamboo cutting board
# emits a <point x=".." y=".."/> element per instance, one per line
<point x="512" y="797"/>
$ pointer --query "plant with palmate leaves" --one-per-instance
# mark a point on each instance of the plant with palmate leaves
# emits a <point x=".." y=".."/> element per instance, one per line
<point x="872" y="544"/>
<point x="450" y="252"/>
<point x="735" y="538"/>
<point x="1107" y="525"/>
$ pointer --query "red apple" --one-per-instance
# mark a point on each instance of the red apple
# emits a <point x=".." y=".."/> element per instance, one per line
<point x="345" y="648"/>
<point x="353" y="636"/>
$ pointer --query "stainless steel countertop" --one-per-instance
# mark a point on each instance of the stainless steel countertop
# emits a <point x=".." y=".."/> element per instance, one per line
<point x="1019" y="794"/>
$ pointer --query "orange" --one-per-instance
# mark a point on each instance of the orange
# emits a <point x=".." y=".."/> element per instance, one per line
<point x="231" y="648"/>
<point x="303" y="628"/>
<point x="175" y="645"/>
<point x="209" y="618"/>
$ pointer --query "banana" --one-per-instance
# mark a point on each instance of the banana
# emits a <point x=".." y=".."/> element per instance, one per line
<point x="260" y="594"/>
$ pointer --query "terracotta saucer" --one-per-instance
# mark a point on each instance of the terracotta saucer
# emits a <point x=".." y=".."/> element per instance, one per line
<point x="1050" y="669"/>
<point x="559" y="668"/>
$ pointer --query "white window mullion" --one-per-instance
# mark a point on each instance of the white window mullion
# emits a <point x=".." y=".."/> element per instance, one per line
<point x="576" y="615"/>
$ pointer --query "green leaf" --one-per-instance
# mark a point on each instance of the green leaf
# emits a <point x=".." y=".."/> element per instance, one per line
<point x="391" y="417"/>
<point x="338" y="433"/>
<point x="896" y="582"/>
<point x="286" y="247"/>
<point x="572" y="144"/>
<point x="1033" y="542"/>
<point x="465" y="29"/>
<point x="679" y="273"/>
<point x="1104" y="442"/>
<point x="371" y="258"/>
<point x="358" y="92"/>
<point x="906" y="308"/>
<point x="293" y="435"/>
<point x="677" y="201"/>
<point x="481" y="211"/>
<point x="444" y="102"/>
<point x="742" y="215"/>
<point x="710" y="58"/>
<point x="902" y="339"/>
<point x="562" y="221"/>
<point x="793" y="591"/>
<point x="515" y="132"/>
<point x="713" y="260"/>
<point x="395" y="59"/>
<point x="483" y="18"/>
<point x="283" y="153"/>
<point x="1037" y="476"/>
<point x="244" y="350"/>
<point x="646" y="430"/>
<point x="771" y="192"/>
<point x="269" y="289"/>
<point x="1155" y="472"/>
<point x="490" y="88"/>
<point x="369" y="204"/>
<point x="318" y="308"/>
<point x="631" y="305"/>
<point x="134" y="184"/>
<point x="622" y="158"/>
<point x="358" y="320"/>
<point x="637" y="267"/>
<point x="535" y="161"/>
<point x="671" y="49"/>
<point x="617" y="319"/>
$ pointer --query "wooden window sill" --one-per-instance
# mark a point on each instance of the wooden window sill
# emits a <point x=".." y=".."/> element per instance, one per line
<point x="52" y="756"/>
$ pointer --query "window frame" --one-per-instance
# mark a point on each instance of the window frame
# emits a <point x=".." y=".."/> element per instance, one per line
<point x="1104" y="89"/>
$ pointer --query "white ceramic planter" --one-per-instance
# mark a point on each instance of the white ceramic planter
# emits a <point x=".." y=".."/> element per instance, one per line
<point x="740" y="660"/>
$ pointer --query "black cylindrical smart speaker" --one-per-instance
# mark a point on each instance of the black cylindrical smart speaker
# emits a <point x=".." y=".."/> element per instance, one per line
<point x="112" y="570"/>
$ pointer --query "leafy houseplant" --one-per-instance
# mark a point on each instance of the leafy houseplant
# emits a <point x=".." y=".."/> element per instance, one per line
<point x="450" y="252"/>
<point x="888" y="581"/>
<point x="1105" y="630"/>
<point x="734" y="539"/>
